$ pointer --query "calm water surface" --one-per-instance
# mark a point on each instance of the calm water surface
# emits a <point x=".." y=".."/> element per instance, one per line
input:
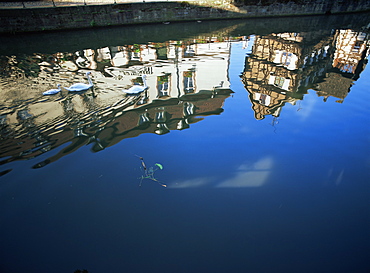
<point x="248" y="152"/>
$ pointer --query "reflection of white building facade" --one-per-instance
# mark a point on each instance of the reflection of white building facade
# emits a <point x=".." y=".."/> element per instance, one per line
<point x="349" y="48"/>
<point x="271" y="73"/>
<point x="348" y="61"/>
<point x="172" y="70"/>
<point x="187" y="82"/>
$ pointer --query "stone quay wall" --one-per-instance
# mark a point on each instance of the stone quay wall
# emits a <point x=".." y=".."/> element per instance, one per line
<point x="58" y="17"/>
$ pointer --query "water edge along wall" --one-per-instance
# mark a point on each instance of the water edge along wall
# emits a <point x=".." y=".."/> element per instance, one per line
<point x="13" y="20"/>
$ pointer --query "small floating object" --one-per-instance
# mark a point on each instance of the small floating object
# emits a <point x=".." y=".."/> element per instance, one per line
<point x="166" y="23"/>
<point x="53" y="91"/>
<point x="149" y="172"/>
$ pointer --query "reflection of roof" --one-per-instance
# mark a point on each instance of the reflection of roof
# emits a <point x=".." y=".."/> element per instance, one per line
<point x="334" y="85"/>
<point x="276" y="100"/>
<point x="108" y="126"/>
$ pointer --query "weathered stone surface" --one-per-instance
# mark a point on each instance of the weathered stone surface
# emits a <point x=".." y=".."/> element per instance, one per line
<point x="85" y="16"/>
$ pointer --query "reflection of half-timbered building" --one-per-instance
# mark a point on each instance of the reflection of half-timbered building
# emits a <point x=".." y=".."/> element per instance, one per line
<point x="278" y="68"/>
<point x="186" y="82"/>
<point x="283" y="66"/>
<point x="349" y="60"/>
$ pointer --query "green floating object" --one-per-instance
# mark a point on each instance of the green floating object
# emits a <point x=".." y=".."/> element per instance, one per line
<point x="159" y="165"/>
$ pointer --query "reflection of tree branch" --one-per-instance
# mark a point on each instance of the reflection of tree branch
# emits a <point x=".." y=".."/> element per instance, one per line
<point x="274" y="122"/>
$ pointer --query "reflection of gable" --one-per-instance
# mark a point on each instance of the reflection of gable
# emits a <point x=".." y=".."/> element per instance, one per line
<point x="271" y="104"/>
<point x="334" y="85"/>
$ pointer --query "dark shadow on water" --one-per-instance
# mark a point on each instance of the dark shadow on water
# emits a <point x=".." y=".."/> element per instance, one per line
<point x="73" y="40"/>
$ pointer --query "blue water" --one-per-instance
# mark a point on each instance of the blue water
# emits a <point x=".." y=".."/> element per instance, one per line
<point x="284" y="194"/>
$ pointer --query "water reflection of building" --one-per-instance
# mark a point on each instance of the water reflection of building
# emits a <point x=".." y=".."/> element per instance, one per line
<point x="186" y="81"/>
<point x="281" y="67"/>
<point x="105" y="127"/>
<point x="177" y="68"/>
<point x="349" y="60"/>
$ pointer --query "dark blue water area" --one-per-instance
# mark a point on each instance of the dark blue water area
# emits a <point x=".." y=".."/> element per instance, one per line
<point x="283" y="195"/>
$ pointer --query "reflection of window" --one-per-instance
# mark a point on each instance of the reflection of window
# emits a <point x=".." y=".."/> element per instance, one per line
<point x="163" y="85"/>
<point x="189" y="51"/>
<point x="287" y="57"/>
<point x="262" y="98"/>
<point x="349" y="68"/>
<point x="162" y="53"/>
<point x="135" y="52"/>
<point x="188" y="82"/>
<point x="279" y="81"/>
<point x="135" y="56"/>
<point x="357" y="46"/>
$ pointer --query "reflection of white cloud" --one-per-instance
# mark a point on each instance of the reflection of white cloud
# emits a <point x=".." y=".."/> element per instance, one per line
<point x="250" y="175"/>
<point x="191" y="183"/>
<point x="339" y="178"/>
<point x="333" y="175"/>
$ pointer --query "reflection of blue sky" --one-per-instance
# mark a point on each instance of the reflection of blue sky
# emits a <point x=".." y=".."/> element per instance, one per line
<point x="306" y="106"/>
<point x="234" y="150"/>
<point x="248" y="44"/>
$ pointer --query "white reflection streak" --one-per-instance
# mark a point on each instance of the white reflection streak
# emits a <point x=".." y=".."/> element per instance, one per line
<point x="247" y="175"/>
<point x="339" y="178"/>
<point x="191" y="183"/>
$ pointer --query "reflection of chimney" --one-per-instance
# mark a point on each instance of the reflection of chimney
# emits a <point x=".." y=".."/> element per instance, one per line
<point x="160" y="116"/>
<point x="143" y="118"/>
<point x="188" y="109"/>
<point x="97" y="146"/>
<point x="182" y="124"/>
